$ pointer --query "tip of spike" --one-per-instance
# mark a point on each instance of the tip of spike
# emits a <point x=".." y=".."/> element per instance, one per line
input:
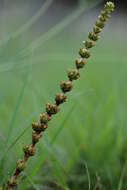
<point x="109" y="6"/>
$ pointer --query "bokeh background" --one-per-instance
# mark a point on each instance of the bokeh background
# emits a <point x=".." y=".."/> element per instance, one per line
<point x="86" y="144"/>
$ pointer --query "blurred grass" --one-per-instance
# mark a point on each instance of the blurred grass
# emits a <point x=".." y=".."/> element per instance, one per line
<point x="91" y="126"/>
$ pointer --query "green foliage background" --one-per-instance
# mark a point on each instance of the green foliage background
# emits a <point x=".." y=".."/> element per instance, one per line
<point x="85" y="145"/>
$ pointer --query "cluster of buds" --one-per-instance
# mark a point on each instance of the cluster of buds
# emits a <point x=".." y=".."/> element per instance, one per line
<point x="60" y="98"/>
<point x="66" y="86"/>
<point x="99" y="25"/>
<point x="20" y="165"/>
<point x="73" y="74"/>
<point x="80" y="63"/>
<point x="44" y="118"/>
<point x="39" y="127"/>
<point x="29" y="150"/>
<point x="11" y="183"/>
<point x="84" y="53"/>
<point x="51" y="109"/>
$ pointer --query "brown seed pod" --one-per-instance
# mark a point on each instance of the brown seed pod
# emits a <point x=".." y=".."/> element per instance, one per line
<point x="44" y="118"/>
<point x="80" y="63"/>
<point x="29" y="150"/>
<point x="60" y="98"/>
<point x="84" y="53"/>
<point x="89" y="44"/>
<point x="73" y="74"/>
<point x="39" y="127"/>
<point x="51" y="109"/>
<point x="66" y="86"/>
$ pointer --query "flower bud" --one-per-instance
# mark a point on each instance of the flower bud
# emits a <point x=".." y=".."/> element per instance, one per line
<point x="44" y="118"/>
<point x="39" y="127"/>
<point x="100" y="24"/>
<point x="102" y="18"/>
<point x="73" y="74"/>
<point x="51" y="108"/>
<point x="80" y="63"/>
<point x="60" y="98"/>
<point x="97" y="30"/>
<point x="109" y="6"/>
<point x="20" y="165"/>
<point x="105" y="14"/>
<point x="66" y="86"/>
<point x="29" y="150"/>
<point x="84" y="53"/>
<point x="93" y="36"/>
<point x="89" y="44"/>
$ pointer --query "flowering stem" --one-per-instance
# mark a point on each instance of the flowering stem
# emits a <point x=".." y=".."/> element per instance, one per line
<point x="66" y="86"/>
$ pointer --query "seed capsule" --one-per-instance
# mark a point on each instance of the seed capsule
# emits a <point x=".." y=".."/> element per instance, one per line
<point x="51" y="109"/>
<point x="89" y="44"/>
<point x="97" y="30"/>
<point x="80" y="63"/>
<point x="44" y="118"/>
<point x="20" y="165"/>
<point x="66" y="86"/>
<point x="39" y="127"/>
<point x="93" y="36"/>
<point x="60" y="98"/>
<point x="73" y="74"/>
<point x="29" y="150"/>
<point x="84" y="53"/>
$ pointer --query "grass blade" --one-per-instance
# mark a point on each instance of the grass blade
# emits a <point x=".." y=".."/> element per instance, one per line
<point x="26" y="26"/>
<point x="55" y="30"/>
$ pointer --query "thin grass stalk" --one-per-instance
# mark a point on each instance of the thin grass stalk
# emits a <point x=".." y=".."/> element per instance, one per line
<point x="66" y="86"/>
<point x="56" y="29"/>
<point x="45" y="37"/>
<point x="27" y="25"/>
